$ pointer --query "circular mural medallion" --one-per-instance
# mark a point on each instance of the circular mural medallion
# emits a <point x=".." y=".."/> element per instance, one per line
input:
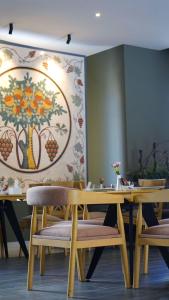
<point x="35" y="120"/>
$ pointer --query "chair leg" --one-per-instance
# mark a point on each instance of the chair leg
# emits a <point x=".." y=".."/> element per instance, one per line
<point x="1" y="243"/>
<point x="66" y="250"/>
<point x="30" y="267"/>
<point x="71" y="275"/>
<point x="137" y="266"/>
<point x="125" y="265"/>
<point x="49" y="250"/>
<point x="146" y="255"/>
<point x="42" y="260"/>
<point x="80" y="265"/>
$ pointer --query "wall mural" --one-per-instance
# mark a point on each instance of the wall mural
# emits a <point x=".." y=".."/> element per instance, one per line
<point x="42" y="114"/>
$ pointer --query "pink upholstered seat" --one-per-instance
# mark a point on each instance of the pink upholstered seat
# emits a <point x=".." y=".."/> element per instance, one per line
<point x="161" y="231"/>
<point x="84" y="232"/>
<point x="164" y="221"/>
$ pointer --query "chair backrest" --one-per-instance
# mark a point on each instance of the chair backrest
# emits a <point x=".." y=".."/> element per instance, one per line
<point x="72" y="184"/>
<point x="152" y="182"/>
<point x="47" y="195"/>
<point x="78" y="197"/>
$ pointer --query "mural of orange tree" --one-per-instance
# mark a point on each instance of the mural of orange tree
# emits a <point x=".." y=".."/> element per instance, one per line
<point x="28" y="105"/>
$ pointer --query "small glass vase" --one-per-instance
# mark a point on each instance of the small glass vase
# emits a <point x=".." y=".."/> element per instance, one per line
<point x="118" y="182"/>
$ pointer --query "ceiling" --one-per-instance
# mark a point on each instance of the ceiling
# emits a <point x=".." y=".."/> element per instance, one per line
<point x="46" y="23"/>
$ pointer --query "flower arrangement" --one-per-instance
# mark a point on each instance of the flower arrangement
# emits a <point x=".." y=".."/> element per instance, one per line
<point x="116" y="168"/>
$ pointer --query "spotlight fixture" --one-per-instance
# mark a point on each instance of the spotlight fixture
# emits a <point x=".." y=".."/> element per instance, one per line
<point x="98" y="14"/>
<point x="10" y="28"/>
<point x="68" y="38"/>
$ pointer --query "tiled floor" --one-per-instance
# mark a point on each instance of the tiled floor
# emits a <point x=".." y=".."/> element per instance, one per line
<point x="106" y="284"/>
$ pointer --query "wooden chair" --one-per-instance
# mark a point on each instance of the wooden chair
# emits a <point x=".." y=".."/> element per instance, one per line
<point x="158" y="209"/>
<point x="154" y="182"/>
<point x="54" y="214"/>
<point x="152" y="236"/>
<point x="73" y="235"/>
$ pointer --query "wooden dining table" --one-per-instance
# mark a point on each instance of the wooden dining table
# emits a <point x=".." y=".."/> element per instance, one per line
<point x="130" y="195"/>
<point x="6" y="208"/>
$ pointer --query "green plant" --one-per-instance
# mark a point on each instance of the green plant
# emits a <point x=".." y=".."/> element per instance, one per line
<point x="155" y="165"/>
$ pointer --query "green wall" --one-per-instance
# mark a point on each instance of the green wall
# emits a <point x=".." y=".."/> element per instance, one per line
<point x="127" y="107"/>
<point x="147" y="99"/>
<point x="105" y="114"/>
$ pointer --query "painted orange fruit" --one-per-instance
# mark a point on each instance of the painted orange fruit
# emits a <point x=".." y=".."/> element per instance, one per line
<point x="29" y="111"/>
<point x="47" y="103"/>
<point x="23" y="103"/>
<point x="9" y="100"/>
<point x="38" y="95"/>
<point x="16" y="110"/>
<point x="18" y="93"/>
<point x="28" y="91"/>
<point x="34" y="104"/>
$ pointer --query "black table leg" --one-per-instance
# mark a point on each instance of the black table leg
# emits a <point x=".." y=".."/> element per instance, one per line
<point x="3" y="228"/>
<point x="10" y="213"/>
<point x="151" y="220"/>
<point x="110" y="220"/>
<point x="131" y="239"/>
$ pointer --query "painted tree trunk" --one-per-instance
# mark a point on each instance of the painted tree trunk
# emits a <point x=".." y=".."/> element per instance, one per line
<point x="30" y="155"/>
<point x="26" y="147"/>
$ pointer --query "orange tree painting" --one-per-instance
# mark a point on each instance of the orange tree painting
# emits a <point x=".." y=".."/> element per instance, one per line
<point x="30" y="106"/>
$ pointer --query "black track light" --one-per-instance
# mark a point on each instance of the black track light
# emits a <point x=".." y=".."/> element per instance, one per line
<point x="10" y="28"/>
<point x="68" y="38"/>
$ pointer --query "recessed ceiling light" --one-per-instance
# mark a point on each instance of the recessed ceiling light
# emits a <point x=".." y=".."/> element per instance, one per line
<point x="98" y="14"/>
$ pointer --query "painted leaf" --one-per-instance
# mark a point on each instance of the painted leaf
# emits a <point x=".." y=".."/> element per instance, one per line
<point x="70" y="69"/>
<point x="70" y="168"/>
<point x="31" y="54"/>
<point x="76" y="100"/>
<point x="45" y="65"/>
<point x="77" y="71"/>
<point x="61" y="129"/>
<point x="78" y="147"/>
<point x="8" y="54"/>
<point x="57" y="59"/>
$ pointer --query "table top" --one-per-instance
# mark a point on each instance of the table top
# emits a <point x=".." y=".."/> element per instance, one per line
<point x="130" y="193"/>
<point x="13" y="197"/>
